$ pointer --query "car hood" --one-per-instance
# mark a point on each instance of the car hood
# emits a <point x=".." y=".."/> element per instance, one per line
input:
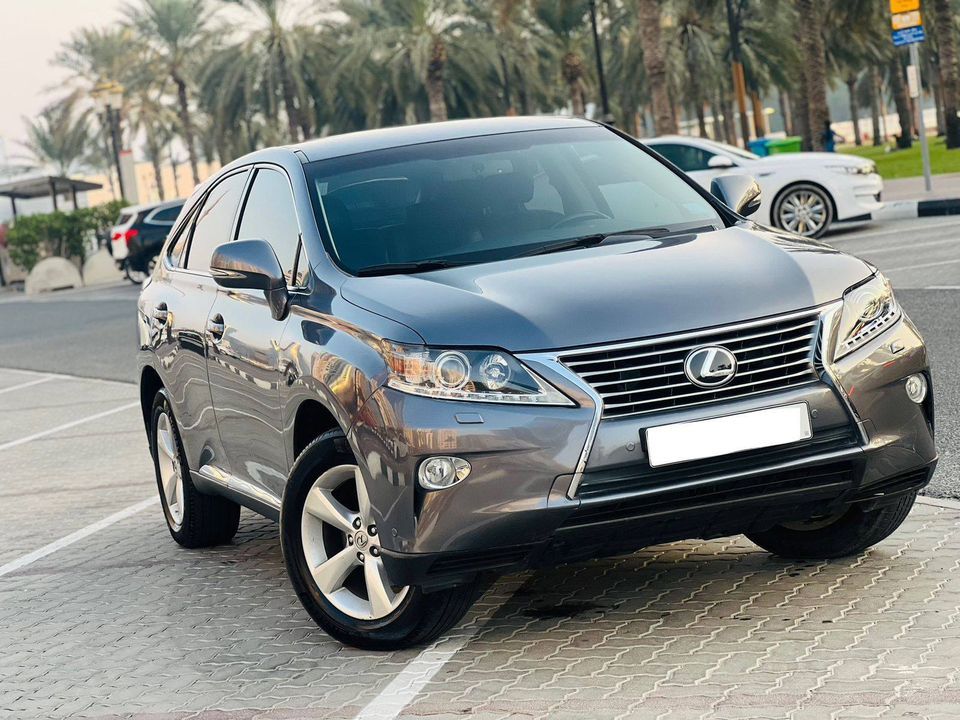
<point x="613" y="292"/>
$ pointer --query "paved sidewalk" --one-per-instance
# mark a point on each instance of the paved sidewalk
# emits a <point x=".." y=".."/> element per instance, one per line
<point x="944" y="187"/>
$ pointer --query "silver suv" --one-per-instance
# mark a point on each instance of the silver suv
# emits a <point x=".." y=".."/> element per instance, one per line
<point x="440" y="353"/>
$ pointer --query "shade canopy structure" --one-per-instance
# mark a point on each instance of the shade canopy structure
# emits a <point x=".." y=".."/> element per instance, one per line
<point x="45" y="186"/>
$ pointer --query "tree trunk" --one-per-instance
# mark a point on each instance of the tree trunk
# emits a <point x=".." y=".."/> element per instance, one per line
<point x="899" y="91"/>
<point x="876" y="96"/>
<point x="654" y="62"/>
<point x="435" y="82"/>
<point x="156" y="157"/>
<point x="726" y="108"/>
<point x="572" y="70"/>
<point x="508" y="108"/>
<point x="785" y="112"/>
<point x="759" y="119"/>
<point x="701" y="119"/>
<point x="186" y="125"/>
<point x="294" y="121"/>
<point x="814" y="70"/>
<point x="949" y="78"/>
<point x="854" y="116"/>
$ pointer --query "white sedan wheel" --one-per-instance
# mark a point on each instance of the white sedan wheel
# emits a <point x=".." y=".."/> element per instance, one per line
<point x="804" y="210"/>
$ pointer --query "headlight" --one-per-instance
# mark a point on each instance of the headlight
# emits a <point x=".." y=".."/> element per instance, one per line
<point x="868" y="310"/>
<point x="475" y="375"/>
<point x="867" y="169"/>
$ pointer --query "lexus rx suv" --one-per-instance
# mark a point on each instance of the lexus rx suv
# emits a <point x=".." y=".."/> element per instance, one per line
<point x="440" y="353"/>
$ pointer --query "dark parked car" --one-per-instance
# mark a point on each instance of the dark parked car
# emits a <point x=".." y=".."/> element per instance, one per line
<point x="136" y="239"/>
<point x="443" y="352"/>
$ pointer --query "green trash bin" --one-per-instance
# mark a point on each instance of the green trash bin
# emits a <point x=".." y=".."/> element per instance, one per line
<point x="787" y="145"/>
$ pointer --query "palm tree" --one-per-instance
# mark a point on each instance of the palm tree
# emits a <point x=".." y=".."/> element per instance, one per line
<point x="949" y="80"/>
<point x="59" y="137"/>
<point x="176" y="30"/>
<point x="654" y="62"/>
<point x="564" y="21"/>
<point x="810" y="33"/>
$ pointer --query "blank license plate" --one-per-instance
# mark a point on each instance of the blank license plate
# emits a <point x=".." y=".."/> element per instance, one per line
<point x="681" y="442"/>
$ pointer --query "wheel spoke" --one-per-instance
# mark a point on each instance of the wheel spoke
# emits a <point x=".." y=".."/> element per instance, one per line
<point x="170" y="487"/>
<point x="323" y="506"/>
<point x="331" y="574"/>
<point x="381" y="595"/>
<point x="362" y="497"/>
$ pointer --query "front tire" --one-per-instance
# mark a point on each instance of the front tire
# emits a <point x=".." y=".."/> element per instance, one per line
<point x="331" y="547"/>
<point x="194" y="519"/>
<point x="848" y="533"/>
<point x="804" y="209"/>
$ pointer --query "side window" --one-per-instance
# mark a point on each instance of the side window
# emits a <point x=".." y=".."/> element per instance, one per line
<point x="179" y="244"/>
<point x="215" y="220"/>
<point x="270" y="214"/>
<point x="686" y="157"/>
<point x="167" y="215"/>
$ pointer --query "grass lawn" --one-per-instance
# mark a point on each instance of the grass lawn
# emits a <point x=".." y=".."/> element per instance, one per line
<point x="892" y="164"/>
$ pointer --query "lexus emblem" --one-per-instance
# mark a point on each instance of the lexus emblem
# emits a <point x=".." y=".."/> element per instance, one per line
<point x="710" y="367"/>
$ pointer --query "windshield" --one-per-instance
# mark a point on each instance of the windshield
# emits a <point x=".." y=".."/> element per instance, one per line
<point x="494" y="197"/>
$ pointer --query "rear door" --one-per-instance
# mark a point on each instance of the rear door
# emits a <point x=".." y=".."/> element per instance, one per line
<point x="244" y="363"/>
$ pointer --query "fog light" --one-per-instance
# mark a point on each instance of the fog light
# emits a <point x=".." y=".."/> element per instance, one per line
<point x="443" y="471"/>
<point x="916" y="386"/>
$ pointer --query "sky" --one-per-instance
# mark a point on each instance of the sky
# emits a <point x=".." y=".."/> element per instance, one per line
<point x="33" y="31"/>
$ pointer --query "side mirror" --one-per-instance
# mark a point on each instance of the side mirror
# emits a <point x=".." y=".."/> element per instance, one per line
<point x="738" y="192"/>
<point x="251" y="265"/>
<point x="720" y="162"/>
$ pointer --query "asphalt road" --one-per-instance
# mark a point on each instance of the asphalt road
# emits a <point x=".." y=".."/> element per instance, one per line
<point x="91" y="332"/>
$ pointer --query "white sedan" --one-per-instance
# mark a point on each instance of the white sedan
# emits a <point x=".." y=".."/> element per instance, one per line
<point x="804" y="193"/>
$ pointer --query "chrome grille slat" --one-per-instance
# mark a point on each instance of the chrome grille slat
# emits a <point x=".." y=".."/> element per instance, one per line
<point x="573" y="363"/>
<point x="647" y="376"/>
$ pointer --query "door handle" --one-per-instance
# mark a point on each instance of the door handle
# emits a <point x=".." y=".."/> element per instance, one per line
<point x="215" y="327"/>
<point x="161" y="314"/>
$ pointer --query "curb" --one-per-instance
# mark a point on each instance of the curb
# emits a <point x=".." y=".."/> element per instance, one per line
<point x="909" y="209"/>
<point x="939" y="502"/>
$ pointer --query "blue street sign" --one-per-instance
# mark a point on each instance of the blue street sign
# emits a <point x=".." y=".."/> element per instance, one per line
<point x="909" y="36"/>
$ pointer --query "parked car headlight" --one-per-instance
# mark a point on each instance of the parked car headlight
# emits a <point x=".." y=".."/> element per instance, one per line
<point x="868" y="310"/>
<point x="475" y="375"/>
<point x="864" y="169"/>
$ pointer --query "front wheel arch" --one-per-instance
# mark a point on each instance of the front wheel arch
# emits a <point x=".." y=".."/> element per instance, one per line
<point x="798" y="184"/>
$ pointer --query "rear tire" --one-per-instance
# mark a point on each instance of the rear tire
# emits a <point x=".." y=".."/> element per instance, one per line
<point x="194" y="519"/>
<point x="850" y="533"/>
<point x="346" y="609"/>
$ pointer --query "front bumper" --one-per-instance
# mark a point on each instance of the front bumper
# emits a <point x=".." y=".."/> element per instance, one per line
<point x="516" y="509"/>
<point x="858" y="199"/>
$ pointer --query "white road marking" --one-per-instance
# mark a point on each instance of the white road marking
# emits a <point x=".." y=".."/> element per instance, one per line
<point x="27" y="384"/>
<point x="80" y="534"/>
<point x="65" y="376"/>
<point x="942" y="287"/>
<point x="908" y="227"/>
<point x="922" y="265"/>
<point x="66" y="426"/>
<point x="907" y="248"/>
<point x="408" y="683"/>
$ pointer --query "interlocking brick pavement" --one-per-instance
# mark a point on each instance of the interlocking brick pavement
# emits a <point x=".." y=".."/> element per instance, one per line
<point x="126" y="623"/>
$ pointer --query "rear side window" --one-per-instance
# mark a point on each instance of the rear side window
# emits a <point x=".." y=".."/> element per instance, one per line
<point x="215" y="221"/>
<point x="270" y="214"/>
<point x="167" y="215"/>
<point x="124" y="219"/>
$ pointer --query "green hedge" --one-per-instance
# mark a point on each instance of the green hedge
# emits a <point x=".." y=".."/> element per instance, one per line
<point x="61" y="234"/>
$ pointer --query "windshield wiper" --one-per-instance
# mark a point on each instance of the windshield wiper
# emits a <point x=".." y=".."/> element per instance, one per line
<point x="583" y="242"/>
<point x="403" y="268"/>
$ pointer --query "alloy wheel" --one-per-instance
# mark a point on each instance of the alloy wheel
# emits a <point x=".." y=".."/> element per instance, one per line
<point x="804" y="212"/>
<point x="341" y="545"/>
<point x="171" y="475"/>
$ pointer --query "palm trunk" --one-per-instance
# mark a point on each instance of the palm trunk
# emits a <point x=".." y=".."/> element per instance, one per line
<point x="186" y="124"/>
<point x="949" y="78"/>
<point x="785" y="111"/>
<point x="851" y="82"/>
<point x="156" y="157"/>
<point x="295" y="121"/>
<point x="654" y="62"/>
<point x="701" y="119"/>
<point x="899" y="91"/>
<point x="508" y="108"/>
<point x="876" y="93"/>
<point x="815" y="71"/>
<point x="572" y="71"/>
<point x="726" y="108"/>
<point x="435" y="82"/>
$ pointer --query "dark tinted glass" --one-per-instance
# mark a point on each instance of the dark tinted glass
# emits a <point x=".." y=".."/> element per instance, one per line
<point x="269" y="214"/>
<point x="167" y="215"/>
<point x="492" y="197"/>
<point x="215" y="220"/>
<point x="179" y="244"/>
<point x="685" y="157"/>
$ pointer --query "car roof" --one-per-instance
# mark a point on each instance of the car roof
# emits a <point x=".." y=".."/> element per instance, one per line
<point x="384" y="138"/>
<point x="152" y="206"/>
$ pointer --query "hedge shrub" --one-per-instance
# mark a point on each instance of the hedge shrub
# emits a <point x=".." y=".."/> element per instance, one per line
<point x="61" y="234"/>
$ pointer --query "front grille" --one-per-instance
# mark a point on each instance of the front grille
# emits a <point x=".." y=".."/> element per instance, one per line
<point x="784" y="487"/>
<point x="647" y="375"/>
<point x="644" y="479"/>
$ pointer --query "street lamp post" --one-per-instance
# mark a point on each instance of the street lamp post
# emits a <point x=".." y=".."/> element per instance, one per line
<point x="109" y="100"/>
<point x="604" y="100"/>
